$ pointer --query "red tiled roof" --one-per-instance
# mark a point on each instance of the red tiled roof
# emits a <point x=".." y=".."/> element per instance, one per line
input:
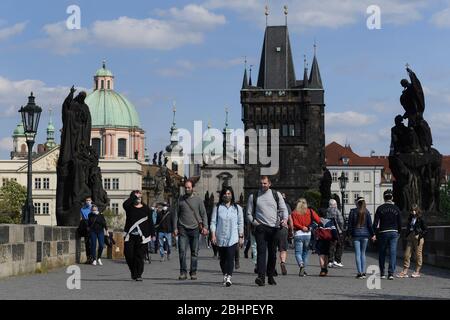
<point x="334" y="153"/>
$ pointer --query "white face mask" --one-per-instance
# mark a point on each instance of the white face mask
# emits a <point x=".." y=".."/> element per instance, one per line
<point x="95" y="212"/>
<point x="88" y="203"/>
<point x="165" y="208"/>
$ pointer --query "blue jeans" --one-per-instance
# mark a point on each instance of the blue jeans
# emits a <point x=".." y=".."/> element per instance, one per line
<point x="101" y="243"/>
<point x="188" y="237"/>
<point x="360" y="245"/>
<point x="388" y="239"/>
<point x="302" y="249"/>
<point x="161" y="237"/>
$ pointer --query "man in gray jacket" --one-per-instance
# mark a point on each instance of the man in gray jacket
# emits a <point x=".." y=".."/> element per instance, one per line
<point x="189" y="219"/>
<point x="267" y="217"/>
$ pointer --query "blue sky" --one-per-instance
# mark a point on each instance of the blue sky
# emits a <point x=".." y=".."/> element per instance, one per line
<point x="193" y="52"/>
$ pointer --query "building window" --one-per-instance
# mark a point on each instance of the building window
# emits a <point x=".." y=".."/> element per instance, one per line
<point x="334" y="176"/>
<point x="46" y="183"/>
<point x="346" y="198"/>
<point x="37" y="183"/>
<point x="96" y="145"/>
<point x="45" y="208"/>
<point x="292" y="130"/>
<point x="109" y="85"/>
<point x="122" y="148"/>
<point x="4" y="181"/>
<point x="107" y="184"/>
<point x="14" y="179"/>
<point x="115" y="184"/>
<point x="115" y="208"/>
<point x="366" y="177"/>
<point x="345" y="161"/>
<point x="284" y="130"/>
<point x="37" y="208"/>
<point x="355" y="196"/>
<point x="356" y="177"/>
<point x="102" y="86"/>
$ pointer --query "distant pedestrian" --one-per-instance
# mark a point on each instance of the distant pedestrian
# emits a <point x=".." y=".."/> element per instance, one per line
<point x="324" y="234"/>
<point x="416" y="229"/>
<point x="139" y="231"/>
<point x="227" y="231"/>
<point x="337" y="246"/>
<point x="83" y="227"/>
<point x="189" y="222"/>
<point x="283" y="238"/>
<point x="263" y="211"/>
<point x="361" y="230"/>
<point x="164" y="230"/>
<point x="97" y="228"/>
<point x="388" y="226"/>
<point x="302" y="219"/>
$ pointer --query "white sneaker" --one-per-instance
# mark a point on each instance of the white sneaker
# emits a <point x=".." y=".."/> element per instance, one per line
<point x="99" y="261"/>
<point x="338" y="264"/>
<point x="330" y="265"/>
<point x="225" y="277"/>
<point x="94" y="263"/>
<point x="228" y="282"/>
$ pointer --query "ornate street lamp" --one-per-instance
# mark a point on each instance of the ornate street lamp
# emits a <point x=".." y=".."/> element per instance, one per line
<point x="342" y="185"/>
<point x="30" y="119"/>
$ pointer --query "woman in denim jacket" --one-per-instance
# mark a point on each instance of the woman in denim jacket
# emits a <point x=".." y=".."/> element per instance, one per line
<point x="227" y="231"/>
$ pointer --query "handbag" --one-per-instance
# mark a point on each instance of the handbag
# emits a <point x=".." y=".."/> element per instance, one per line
<point x="82" y="229"/>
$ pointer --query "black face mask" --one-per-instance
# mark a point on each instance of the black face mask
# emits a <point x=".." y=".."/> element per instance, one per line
<point x="226" y="199"/>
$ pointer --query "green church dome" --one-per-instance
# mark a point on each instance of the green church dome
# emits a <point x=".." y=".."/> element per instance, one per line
<point x="110" y="109"/>
<point x="103" y="72"/>
<point x="19" y="131"/>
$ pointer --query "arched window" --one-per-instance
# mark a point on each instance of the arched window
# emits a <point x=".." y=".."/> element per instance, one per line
<point x="122" y="148"/>
<point x="102" y="86"/>
<point x="96" y="146"/>
<point x="109" y="85"/>
<point x="175" y="166"/>
<point x="23" y="148"/>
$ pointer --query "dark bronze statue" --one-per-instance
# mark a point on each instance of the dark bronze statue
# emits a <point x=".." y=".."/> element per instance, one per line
<point x="415" y="165"/>
<point x="325" y="187"/>
<point x="78" y="174"/>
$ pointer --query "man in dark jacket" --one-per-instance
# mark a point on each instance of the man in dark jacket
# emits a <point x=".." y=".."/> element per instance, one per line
<point x="388" y="226"/>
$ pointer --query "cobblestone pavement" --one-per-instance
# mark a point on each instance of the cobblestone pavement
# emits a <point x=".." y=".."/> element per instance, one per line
<point x="112" y="281"/>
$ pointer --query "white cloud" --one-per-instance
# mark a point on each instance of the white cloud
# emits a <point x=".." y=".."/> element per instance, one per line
<point x="9" y="32"/>
<point x="180" y="69"/>
<point x="441" y="19"/>
<point x="325" y="13"/>
<point x="14" y="94"/>
<point x="6" y="144"/>
<point x="61" y="40"/>
<point x="348" y="118"/>
<point x="180" y="27"/>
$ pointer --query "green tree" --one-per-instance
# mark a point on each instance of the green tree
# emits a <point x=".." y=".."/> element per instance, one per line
<point x="445" y="200"/>
<point x="12" y="199"/>
<point x="313" y="197"/>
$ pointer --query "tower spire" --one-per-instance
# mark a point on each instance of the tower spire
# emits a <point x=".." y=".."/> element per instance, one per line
<point x="226" y="118"/>
<point x="315" y="80"/>
<point x="267" y="14"/>
<point x="245" y="80"/>
<point x="286" y="14"/>
<point x="305" y="73"/>
<point x="250" y="79"/>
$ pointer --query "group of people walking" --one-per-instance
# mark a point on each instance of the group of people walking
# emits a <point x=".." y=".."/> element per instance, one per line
<point x="270" y="224"/>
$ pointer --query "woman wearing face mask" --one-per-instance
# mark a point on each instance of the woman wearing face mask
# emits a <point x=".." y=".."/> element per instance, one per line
<point x="96" y="227"/>
<point x="139" y="229"/>
<point x="227" y="231"/>
<point x="415" y="233"/>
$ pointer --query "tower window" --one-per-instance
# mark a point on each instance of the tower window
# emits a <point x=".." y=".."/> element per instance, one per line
<point x="102" y="85"/>
<point x="292" y="130"/>
<point x="109" y="85"/>
<point x="122" y="148"/>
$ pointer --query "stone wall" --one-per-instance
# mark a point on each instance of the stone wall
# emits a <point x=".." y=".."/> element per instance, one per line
<point x="26" y="249"/>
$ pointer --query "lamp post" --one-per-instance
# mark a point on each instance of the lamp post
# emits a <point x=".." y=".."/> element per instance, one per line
<point x="30" y="119"/>
<point x="342" y="185"/>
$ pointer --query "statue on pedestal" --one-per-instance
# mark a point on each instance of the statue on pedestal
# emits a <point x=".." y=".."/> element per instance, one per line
<point x="415" y="165"/>
<point x="78" y="173"/>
